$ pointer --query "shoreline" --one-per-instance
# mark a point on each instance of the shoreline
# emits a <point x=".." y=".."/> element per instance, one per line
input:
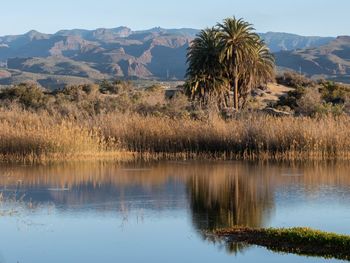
<point x="129" y="156"/>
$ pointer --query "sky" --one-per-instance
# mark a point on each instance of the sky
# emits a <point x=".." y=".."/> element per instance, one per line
<point x="304" y="17"/>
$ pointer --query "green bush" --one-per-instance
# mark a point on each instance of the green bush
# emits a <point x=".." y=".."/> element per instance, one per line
<point x="334" y="93"/>
<point x="324" y="99"/>
<point x="115" y="87"/>
<point x="292" y="98"/>
<point x="28" y="96"/>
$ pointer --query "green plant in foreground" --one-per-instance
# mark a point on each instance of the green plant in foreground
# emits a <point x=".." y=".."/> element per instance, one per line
<point x="301" y="241"/>
<point x="301" y="235"/>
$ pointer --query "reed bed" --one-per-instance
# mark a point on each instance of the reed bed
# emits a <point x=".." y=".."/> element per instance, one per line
<point x="28" y="136"/>
<point x="248" y="137"/>
<point x="40" y="137"/>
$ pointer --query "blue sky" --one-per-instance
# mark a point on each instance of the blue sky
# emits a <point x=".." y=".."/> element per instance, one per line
<point x="306" y="17"/>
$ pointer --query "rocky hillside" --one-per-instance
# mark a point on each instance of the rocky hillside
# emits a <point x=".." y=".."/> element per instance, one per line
<point x="109" y="53"/>
<point x="99" y="53"/>
<point x="284" y="41"/>
<point x="330" y="61"/>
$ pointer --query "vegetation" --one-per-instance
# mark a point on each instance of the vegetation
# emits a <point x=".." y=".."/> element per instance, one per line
<point x="311" y="98"/>
<point x="230" y="55"/>
<point x="294" y="80"/>
<point x="302" y="241"/>
<point x="116" y="120"/>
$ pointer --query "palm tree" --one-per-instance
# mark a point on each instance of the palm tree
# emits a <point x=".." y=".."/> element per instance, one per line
<point x="238" y="44"/>
<point x="259" y="69"/>
<point x="205" y="78"/>
<point x="231" y="55"/>
<point x="263" y="63"/>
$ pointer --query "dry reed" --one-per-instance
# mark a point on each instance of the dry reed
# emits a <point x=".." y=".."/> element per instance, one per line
<point x="26" y="136"/>
<point x="251" y="137"/>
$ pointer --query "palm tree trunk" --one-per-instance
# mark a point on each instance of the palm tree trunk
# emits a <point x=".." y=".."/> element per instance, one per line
<point x="227" y="100"/>
<point x="235" y="95"/>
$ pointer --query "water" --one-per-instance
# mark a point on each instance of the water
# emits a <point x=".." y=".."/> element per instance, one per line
<point x="157" y="212"/>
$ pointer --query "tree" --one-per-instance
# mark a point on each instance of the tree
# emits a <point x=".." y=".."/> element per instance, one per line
<point x="238" y="42"/>
<point x="205" y="71"/>
<point x="259" y="69"/>
<point x="229" y="56"/>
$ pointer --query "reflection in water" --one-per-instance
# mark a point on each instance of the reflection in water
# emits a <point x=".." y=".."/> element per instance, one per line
<point x="229" y="196"/>
<point x="243" y="195"/>
<point x="218" y="195"/>
<point x="93" y="187"/>
<point x="225" y="196"/>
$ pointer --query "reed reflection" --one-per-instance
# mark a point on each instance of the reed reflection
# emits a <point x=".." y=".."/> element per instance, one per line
<point x="219" y="194"/>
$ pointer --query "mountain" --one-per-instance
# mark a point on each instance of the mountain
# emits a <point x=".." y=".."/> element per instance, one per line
<point x="104" y="53"/>
<point x="101" y="53"/>
<point x="331" y="61"/>
<point x="284" y="41"/>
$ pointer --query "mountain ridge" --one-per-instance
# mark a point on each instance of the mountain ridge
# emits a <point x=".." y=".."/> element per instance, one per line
<point x="331" y="61"/>
<point x="120" y="52"/>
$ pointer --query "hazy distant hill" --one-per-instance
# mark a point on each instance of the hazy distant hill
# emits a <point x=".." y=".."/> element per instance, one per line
<point x="109" y="53"/>
<point x="284" y="41"/>
<point x="330" y="61"/>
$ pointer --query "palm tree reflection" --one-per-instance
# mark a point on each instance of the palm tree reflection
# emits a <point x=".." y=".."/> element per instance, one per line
<point x="227" y="197"/>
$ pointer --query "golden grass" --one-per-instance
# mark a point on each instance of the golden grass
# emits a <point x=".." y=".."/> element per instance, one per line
<point x="249" y="137"/>
<point x="26" y="136"/>
<point x="39" y="137"/>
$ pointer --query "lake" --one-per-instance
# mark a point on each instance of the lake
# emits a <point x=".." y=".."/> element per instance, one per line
<point x="104" y="212"/>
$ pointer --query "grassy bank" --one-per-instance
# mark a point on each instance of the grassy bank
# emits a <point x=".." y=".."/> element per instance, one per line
<point x="40" y="136"/>
<point x="302" y="241"/>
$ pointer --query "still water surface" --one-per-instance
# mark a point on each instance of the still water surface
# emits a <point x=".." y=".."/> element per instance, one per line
<point x="157" y="212"/>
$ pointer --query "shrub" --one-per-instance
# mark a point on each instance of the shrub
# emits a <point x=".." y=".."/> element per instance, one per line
<point x="325" y="98"/>
<point x="334" y="93"/>
<point x="115" y="87"/>
<point x="294" y="80"/>
<point x="310" y="102"/>
<point x="29" y="96"/>
<point x="292" y="98"/>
